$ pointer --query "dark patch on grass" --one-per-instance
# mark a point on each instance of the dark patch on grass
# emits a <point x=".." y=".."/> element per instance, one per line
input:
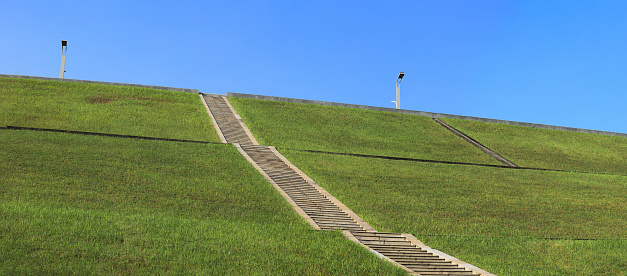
<point x="108" y="98"/>
<point x="101" y="99"/>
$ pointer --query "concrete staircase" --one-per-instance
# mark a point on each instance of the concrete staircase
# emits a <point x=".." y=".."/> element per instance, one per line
<point x="319" y="208"/>
<point x="323" y="211"/>
<point x="400" y="249"/>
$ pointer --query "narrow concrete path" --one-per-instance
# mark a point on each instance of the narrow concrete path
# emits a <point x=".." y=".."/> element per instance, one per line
<point x="323" y="211"/>
<point x="477" y="144"/>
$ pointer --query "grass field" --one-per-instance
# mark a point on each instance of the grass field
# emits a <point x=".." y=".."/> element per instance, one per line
<point x="507" y="221"/>
<point x="75" y="204"/>
<point x="337" y="129"/>
<point x="104" y="108"/>
<point x="552" y="149"/>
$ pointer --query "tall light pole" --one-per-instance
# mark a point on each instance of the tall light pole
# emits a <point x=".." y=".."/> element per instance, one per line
<point x="398" y="90"/>
<point x="63" y="52"/>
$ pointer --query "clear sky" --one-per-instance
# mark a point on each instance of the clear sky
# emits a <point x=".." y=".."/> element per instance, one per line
<point x="549" y="62"/>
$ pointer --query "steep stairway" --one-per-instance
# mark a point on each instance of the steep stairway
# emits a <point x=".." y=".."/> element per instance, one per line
<point x="230" y="126"/>
<point x="401" y="250"/>
<point x="323" y="211"/>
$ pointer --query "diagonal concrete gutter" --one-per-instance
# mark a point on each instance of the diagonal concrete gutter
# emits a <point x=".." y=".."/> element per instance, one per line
<point x="477" y="144"/>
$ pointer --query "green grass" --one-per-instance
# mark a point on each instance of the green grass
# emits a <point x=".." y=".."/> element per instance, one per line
<point x="551" y="149"/>
<point x="74" y="204"/>
<point x="104" y="108"/>
<point x="501" y="220"/>
<point x="337" y="129"/>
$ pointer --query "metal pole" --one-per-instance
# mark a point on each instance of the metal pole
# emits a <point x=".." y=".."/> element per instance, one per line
<point x="398" y="95"/>
<point x="63" y="52"/>
<point x="62" y="66"/>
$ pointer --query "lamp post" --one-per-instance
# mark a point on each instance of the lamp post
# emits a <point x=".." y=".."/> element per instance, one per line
<point x="398" y="90"/>
<point x="63" y="52"/>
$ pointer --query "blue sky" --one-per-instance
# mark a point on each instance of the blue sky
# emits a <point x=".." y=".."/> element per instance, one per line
<point x="550" y="62"/>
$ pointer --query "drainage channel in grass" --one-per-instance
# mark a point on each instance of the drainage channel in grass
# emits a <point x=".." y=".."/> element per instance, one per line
<point x="101" y="205"/>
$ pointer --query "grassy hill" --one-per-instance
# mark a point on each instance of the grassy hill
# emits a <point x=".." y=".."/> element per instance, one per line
<point x="76" y="204"/>
<point x="508" y="221"/>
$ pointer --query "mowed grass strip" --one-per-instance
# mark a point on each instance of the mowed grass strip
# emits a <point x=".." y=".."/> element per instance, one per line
<point x="75" y="204"/>
<point x="551" y="149"/>
<point x="104" y="108"/>
<point x="351" y="130"/>
<point x="498" y="219"/>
